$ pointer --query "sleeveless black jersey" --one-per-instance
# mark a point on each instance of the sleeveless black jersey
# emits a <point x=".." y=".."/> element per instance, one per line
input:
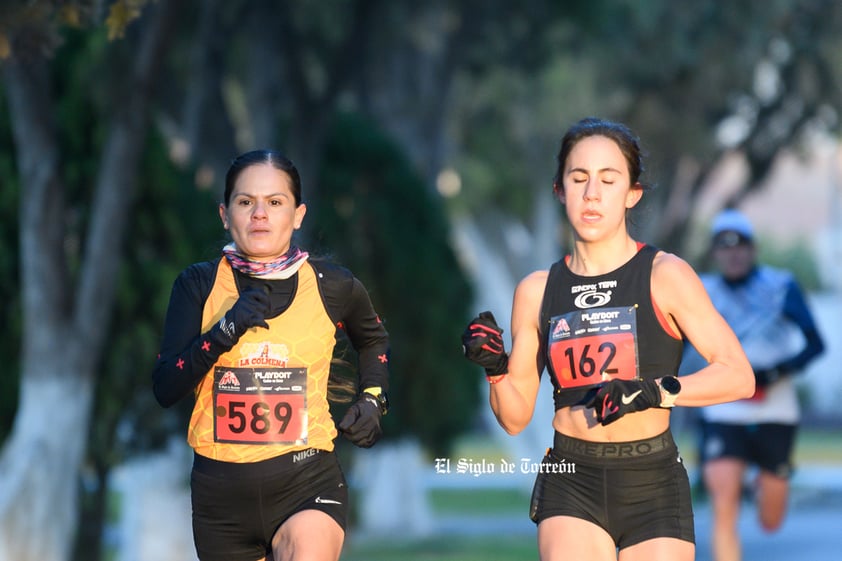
<point x="603" y="327"/>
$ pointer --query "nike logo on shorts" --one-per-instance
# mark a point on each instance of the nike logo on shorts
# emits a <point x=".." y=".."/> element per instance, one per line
<point x="322" y="501"/>
<point x="626" y="399"/>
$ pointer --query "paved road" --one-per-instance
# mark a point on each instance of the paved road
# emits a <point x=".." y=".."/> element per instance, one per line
<point x="811" y="532"/>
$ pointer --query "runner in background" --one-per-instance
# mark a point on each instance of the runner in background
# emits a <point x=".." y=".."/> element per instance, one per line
<point x="768" y="312"/>
<point x="251" y="336"/>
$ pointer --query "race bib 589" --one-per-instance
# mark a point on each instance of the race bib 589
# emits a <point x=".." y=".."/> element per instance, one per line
<point x="260" y="405"/>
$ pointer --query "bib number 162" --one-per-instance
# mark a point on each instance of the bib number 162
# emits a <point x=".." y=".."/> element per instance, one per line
<point x="590" y="360"/>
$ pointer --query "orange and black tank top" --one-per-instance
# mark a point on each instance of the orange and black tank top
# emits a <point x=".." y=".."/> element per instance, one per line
<point x="267" y="396"/>
<point x="603" y="327"/>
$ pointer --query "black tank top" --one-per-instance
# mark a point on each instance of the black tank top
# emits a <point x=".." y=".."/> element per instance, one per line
<point x="602" y="327"/>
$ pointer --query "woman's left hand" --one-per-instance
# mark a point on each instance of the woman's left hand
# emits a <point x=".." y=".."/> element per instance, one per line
<point x="361" y="423"/>
<point x="618" y="397"/>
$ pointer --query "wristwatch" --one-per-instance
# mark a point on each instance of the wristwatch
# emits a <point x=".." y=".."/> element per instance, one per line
<point x="381" y="398"/>
<point x="670" y="386"/>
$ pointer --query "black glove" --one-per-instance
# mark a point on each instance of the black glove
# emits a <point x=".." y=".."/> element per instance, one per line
<point x="361" y="423"/>
<point x="616" y="398"/>
<point x="248" y="311"/>
<point x="482" y="343"/>
<point x="765" y="376"/>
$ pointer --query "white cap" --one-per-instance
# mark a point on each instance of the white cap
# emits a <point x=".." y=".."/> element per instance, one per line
<point x="730" y="220"/>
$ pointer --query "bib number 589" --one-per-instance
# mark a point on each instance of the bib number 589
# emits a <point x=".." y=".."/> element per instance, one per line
<point x="259" y="418"/>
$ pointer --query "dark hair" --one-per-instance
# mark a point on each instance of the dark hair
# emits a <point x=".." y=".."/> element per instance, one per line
<point x="625" y="139"/>
<point x="255" y="157"/>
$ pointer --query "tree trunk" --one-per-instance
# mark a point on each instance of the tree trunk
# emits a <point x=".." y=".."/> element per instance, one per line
<point x="406" y="84"/>
<point x="38" y="490"/>
<point x="63" y="333"/>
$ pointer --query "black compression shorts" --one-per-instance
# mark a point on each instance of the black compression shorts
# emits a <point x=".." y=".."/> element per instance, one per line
<point x="767" y="445"/>
<point x="238" y="507"/>
<point x="635" y="490"/>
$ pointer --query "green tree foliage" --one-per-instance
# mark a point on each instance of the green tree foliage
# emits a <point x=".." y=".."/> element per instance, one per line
<point x="172" y="225"/>
<point x="796" y="257"/>
<point x="10" y="311"/>
<point x="523" y="73"/>
<point x="377" y="218"/>
<point x="403" y="257"/>
<point x="704" y="79"/>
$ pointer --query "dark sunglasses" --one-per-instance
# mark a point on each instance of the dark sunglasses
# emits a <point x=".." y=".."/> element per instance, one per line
<point x="730" y="239"/>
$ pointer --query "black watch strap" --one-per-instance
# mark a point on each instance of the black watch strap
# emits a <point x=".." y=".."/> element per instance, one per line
<point x="381" y="399"/>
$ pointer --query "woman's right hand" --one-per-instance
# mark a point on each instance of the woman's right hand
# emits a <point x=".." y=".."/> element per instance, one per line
<point x="482" y="343"/>
<point x="248" y="311"/>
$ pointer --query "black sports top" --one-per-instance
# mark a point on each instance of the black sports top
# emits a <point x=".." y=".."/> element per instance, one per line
<point x="602" y="327"/>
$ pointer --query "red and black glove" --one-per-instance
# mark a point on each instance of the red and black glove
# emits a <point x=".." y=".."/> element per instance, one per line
<point x="482" y="343"/>
<point x="615" y="398"/>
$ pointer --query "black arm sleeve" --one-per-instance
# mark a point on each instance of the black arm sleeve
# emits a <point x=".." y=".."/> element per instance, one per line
<point x="186" y="354"/>
<point x="369" y="338"/>
<point x="349" y="306"/>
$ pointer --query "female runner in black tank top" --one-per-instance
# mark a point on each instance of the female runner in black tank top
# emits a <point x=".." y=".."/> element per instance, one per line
<point x="607" y="322"/>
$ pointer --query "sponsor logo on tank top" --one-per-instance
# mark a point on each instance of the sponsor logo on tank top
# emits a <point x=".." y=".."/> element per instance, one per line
<point x="593" y="295"/>
<point x="264" y="354"/>
<point x="229" y="381"/>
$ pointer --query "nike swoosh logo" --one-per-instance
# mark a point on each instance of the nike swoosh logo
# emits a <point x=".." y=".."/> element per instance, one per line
<point x="626" y="399"/>
<point x="327" y="501"/>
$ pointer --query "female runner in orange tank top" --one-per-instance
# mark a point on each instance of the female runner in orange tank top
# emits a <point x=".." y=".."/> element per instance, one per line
<point x="251" y="335"/>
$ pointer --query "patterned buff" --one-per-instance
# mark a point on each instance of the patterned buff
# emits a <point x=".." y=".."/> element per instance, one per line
<point x="281" y="268"/>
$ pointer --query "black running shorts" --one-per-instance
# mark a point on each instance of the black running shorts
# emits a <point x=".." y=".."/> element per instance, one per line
<point x="238" y="507"/>
<point x="635" y="490"/>
<point x="766" y="445"/>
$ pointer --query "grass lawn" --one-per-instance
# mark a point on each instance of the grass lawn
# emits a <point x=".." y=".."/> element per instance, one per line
<point x="521" y="548"/>
<point x="819" y="446"/>
<point x="478" y="501"/>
